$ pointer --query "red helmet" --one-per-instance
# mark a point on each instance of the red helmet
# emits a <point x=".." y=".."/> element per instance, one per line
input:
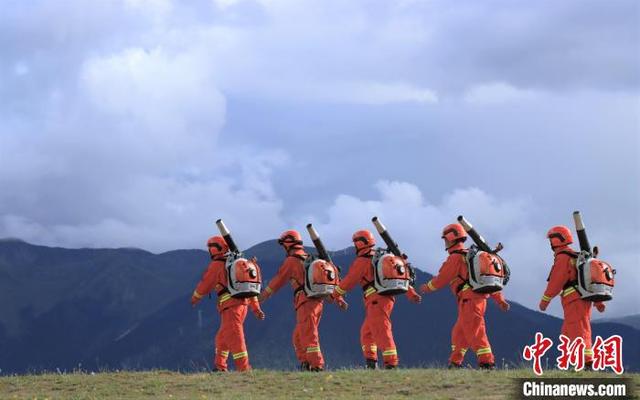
<point x="560" y="235"/>
<point x="363" y="240"/>
<point x="217" y="246"/>
<point x="290" y="239"/>
<point x="454" y="232"/>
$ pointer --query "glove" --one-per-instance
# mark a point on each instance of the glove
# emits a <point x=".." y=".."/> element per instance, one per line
<point x="600" y="307"/>
<point x="504" y="306"/>
<point x="194" y="301"/>
<point x="424" y="289"/>
<point x="414" y="297"/>
<point x="342" y="304"/>
<point x="255" y="308"/>
<point x="259" y="314"/>
<point x="543" y="305"/>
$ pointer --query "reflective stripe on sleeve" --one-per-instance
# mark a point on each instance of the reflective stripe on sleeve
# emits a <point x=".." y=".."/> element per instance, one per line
<point x="196" y="294"/>
<point x="546" y="298"/>
<point x="224" y="298"/>
<point x="465" y="287"/>
<point x="430" y="286"/>
<point x="340" y="291"/>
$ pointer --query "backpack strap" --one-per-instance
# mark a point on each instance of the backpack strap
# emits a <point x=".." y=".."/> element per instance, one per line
<point x="573" y="283"/>
<point x="464" y="281"/>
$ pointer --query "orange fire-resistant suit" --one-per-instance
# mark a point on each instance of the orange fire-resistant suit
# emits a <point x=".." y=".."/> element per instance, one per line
<point x="469" y="330"/>
<point x="577" y="312"/>
<point x="230" y="337"/>
<point x="306" y="341"/>
<point x="376" y="331"/>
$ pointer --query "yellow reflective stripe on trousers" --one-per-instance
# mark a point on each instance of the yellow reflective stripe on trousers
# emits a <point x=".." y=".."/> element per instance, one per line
<point x="483" y="350"/>
<point x="568" y="291"/>
<point x="430" y="286"/>
<point x="369" y="291"/>
<point x="240" y="355"/>
<point x="390" y="352"/>
<point x="462" y="349"/>
<point x="340" y="291"/>
<point x="224" y="298"/>
<point x="315" y="349"/>
<point x="546" y="298"/>
<point x="223" y="353"/>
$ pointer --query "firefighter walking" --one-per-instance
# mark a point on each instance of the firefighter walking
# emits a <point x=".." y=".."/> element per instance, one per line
<point x="376" y="332"/>
<point x="229" y="340"/>
<point x="563" y="281"/>
<point x="305" y="339"/>
<point x="469" y="331"/>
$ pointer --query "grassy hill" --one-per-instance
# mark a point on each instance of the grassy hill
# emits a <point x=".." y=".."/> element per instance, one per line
<point x="267" y="384"/>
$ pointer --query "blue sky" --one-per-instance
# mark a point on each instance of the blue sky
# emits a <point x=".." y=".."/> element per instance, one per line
<point x="140" y="122"/>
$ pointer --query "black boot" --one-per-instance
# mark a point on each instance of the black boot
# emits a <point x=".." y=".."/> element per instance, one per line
<point x="390" y="366"/>
<point x="487" y="366"/>
<point x="316" y="369"/>
<point x="454" y="366"/>
<point x="304" y="366"/>
<point x="372" y="364"/>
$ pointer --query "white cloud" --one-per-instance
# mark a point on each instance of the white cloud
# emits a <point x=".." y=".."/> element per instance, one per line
<point x="163" y="91"/>
<point x="496" y="93"/>
<point x="416" y="224"/>
<point x="377" y="93"/>
<point x="130" y="157"/>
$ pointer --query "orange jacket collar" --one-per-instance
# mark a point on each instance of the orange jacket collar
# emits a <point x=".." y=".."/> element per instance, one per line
<point x="561" y="249"/>
<point x="456" y="247"/>
<point x="296" y="252"/>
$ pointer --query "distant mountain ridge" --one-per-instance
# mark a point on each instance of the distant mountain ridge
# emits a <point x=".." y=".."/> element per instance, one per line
<point x="629" y="320"/>
<point x="129" y="308"/>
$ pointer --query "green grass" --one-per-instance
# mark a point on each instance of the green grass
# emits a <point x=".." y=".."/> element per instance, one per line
<point x="267" y="384"/>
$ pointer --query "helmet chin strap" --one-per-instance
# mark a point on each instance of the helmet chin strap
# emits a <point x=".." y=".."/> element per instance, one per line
<point x="216" y="257"/>
<point x="364" y="250"/>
